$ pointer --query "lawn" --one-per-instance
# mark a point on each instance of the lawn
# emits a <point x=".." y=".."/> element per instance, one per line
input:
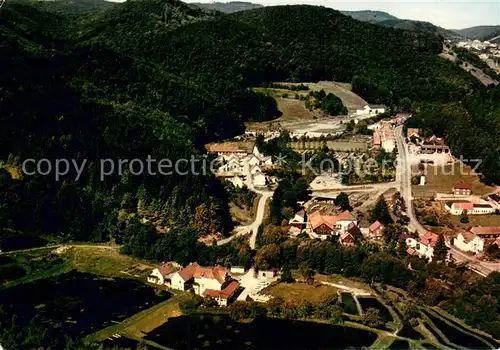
<point x="442" y="179"/>
<point x="103" y="261"/>
<point x="315" y="293"/>
<point x="476" y="220"/>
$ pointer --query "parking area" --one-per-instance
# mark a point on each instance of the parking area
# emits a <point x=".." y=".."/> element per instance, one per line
<point x="253" y="285"/>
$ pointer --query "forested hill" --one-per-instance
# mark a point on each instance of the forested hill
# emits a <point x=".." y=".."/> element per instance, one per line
<point x="480" y="32"/>
<point x="160" y="78"/>
<point x="420" y="26"/>
<point x="370" y="16"/>
<point x="227" y="7"/>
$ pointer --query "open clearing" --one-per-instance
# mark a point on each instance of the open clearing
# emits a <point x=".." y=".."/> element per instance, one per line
<point x="441" y="179"/>
<point x="313" y="293"/>
<point x="104" y="262"/>
<point x="297" y="118"/>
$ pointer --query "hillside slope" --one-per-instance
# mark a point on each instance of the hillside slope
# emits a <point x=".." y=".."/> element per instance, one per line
<point x="370" y="16"/>
<point x="227" y="7"/>
<point x="420" y="26"/>
<point x="480" y="32"/>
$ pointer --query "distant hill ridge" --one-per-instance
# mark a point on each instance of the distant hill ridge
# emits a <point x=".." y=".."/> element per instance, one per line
<point x="480" y="32"/>
<point x="228" y="7"/>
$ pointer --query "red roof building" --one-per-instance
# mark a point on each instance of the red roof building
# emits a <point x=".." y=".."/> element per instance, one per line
<point x="462" y="189"/>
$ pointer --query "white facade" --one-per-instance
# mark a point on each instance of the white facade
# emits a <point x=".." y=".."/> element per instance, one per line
<point x="201" y="284"/>
<point x="388" y="145"/>
<point x="259" y="180"/>
<point x="473" y="244"/>
<point x="178" y="282"/>
<point x="370" y="110"/>
<point x="423" y="251"/>
<point x="156" y="277"/>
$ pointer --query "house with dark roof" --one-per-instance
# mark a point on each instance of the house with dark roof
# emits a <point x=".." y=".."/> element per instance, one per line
<point x="462" y="189"/>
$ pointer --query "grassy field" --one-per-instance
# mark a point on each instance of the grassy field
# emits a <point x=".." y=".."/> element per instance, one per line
<point x="476" y="220"/>
<point x="104" y="262"/>
<point x="338" y="279"/>
<point x="315" y="293"/>
<point x="442" y="179"/>
<point x="145" y="321"/>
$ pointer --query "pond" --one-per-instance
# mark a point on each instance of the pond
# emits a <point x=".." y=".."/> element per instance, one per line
<point x="78" y="303"/>
<point x="456" y="336"/>
<point x="121" y="343"/>
<point x="367" y="303"/>
<point x="409" y="332"/>
<point x="215" y="331"/>
<point x="495" y="343"/>
<point x="399" y="345"/>
<point x="349" y="304"/>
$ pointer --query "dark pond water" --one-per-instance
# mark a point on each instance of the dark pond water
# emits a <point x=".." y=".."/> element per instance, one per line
<point x="349" y="304"/>
<point x="367" y="303"/>
<point x="409" y="332"/>
<point x="434" y="333"/>
<point x="399" y="345"/>
<point x="78" y="303"/>
<point x="120" y="343"/>
<point x="211" y="331"/>
<point x="456" y="336"/>
<point x="495" y="343"/>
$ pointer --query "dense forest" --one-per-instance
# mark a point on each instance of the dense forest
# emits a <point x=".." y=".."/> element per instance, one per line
<point x="470" y="127"/>
<point x="159" y="78"/>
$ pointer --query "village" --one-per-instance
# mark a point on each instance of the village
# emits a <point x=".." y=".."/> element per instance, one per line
<point x="323" y="217"/>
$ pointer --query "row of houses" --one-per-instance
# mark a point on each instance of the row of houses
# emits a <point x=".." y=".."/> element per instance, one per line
<point x="426" y="145"/>
<point x="215" y="282"/>
<point x="318" y="225"/>
<point x="238" y="165"/>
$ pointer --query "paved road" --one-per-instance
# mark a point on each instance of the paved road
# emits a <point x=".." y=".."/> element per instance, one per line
<point x="259" y="217"/>
<point x="403" y="176"/>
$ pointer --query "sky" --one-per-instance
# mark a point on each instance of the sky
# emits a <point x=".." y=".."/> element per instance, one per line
<point x="450" y="14"/>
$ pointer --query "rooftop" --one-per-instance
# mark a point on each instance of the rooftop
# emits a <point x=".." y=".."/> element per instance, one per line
<point x="430" y="238"/>
<point x="488" y="230"/>
<point x="463" y="186"/>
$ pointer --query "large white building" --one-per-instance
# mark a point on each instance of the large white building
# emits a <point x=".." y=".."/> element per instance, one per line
<point x="458" y="207"/>
<point x="215" y="282"/>
<point x="371" y="110"/>
<point x="469" y="242"/>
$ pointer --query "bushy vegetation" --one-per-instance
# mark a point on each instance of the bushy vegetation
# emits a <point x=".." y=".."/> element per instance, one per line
<point x="330" y="103"/>
<point x="469" y="128"/>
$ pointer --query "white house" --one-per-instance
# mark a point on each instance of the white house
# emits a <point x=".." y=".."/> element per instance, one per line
<point x="424" y="246"/>
<point x="162" y="275"/>
<point x="255" y="169"/>
<point x="371" y="110"/>
<point x="469" y="242"/>
<point x="212" y="282"/>
<point x="259" y="179"/>
<point x="237" y="181"/>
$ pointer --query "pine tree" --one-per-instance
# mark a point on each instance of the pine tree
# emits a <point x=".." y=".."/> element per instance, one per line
<point x="464" y="218"/>
<point x="381" y="212"/>
<point x="402" y="247"/>
<point x="441" y="250"/>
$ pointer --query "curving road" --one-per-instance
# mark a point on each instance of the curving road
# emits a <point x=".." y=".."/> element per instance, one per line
<point x="259" y="217"/>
